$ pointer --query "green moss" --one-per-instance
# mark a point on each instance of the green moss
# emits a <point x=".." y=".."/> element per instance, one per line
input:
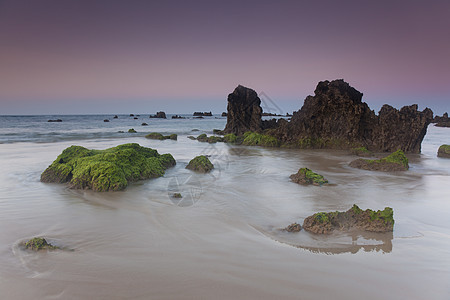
<point x="177" y="195"/>
<point x="444" y="151"/>
<point x="159" y="136"/>
<point x="107" y="170"/>
<point x="398" y="157"/>
<point x="200" y="164"/>
<point x="312" y="177"/>
<point x="202" y="138"/>
<point x="131" y="130"/>
<point x="322" y="217"/>
<point x="39" y="243"/>
<point x="217" y="131"/>
<point x="257" y="139"/>
<point x="361" y="150"/>
<point x="155" y="136"/>
<point x="230" y="138"/>
<point x="387" y="215"/>
<point x="191" y="137"/>
<point x="356" y="209"/>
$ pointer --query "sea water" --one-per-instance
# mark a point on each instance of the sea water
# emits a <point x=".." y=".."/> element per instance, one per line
<point x="224" y="238"/>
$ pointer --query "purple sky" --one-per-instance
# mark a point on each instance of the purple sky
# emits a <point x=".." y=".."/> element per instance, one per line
<point x="110" y="56"/>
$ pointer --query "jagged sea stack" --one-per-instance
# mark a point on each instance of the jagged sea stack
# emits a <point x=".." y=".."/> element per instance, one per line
<point x="244" y="111"/>
<point x="335" y="117"/>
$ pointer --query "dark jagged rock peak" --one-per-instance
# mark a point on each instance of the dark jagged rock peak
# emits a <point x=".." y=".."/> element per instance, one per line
<point x="443" y="121"/>
<point x="335" y="117"/>
<point x="244" y="111"/>
<point x="159" y="115"/>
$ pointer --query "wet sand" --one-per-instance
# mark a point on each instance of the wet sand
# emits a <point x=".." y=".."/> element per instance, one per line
<point x="225" y="240"/>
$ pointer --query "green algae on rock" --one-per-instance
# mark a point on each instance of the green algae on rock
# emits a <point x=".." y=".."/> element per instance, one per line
<point x="306" y="176"/>
<point x="444" y="151"/>
<point x="257" y="139"/>
<point x="396" y="161"/>
<point x="106" y="170"/>
<point x="200" y="164"/>
<point x="131" y="130"/>
<point x="354" y="218"/>
<point x="159" y="136"/>
<point x="39" y="243"/>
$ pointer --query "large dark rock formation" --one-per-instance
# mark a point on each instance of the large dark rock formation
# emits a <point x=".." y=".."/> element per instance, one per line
<point x="244" y="111"/>
<point x="335" y="117"/>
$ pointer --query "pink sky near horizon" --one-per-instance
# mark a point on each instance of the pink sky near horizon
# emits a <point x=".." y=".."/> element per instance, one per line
<point x="105" y="56"/>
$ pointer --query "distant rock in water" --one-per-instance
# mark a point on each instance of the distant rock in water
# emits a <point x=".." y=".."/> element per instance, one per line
<point x="106" y="170"/>
<point x="116" y="117"/>
<point x="57" y="120"/>
<point x="443" y="121"/>
<point x="105" y="120"/>
<point x="354" y="218"/>
<point x="159" y="115"/>
<point x="244" y="111"/>
<point x="335" y="117"/>
<point x="396" y="161"/>
<point x="178" y="117"/>
<point x="202" y="114"/>
<point x="224" y="114"/>
<point x="444" y="151"/>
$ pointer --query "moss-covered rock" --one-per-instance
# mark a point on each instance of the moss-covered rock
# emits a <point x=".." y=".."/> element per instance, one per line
<point x="159" y="136"/>
<point x="177" y="195"/>
<point x="106" y="170"/>
<point x="306" y="176"/>
<point x="257" y="139"/>
<point x="155" y="136"/>
<point x="354" y="218"/>
<point x="396" y="161"/>
<point x="444" y="151"/>
<point x="200" y="164"/>
<point x="39" y="243"/>
<point x="131" y="130"/>
<point x="202" y="137"/>
<point x="230" y="138"/>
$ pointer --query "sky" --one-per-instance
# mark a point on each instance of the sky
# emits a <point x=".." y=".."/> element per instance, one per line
<point x="92" y="56"/>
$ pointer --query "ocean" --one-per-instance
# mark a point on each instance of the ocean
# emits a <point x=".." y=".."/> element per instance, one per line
<point x="224" y="238"/>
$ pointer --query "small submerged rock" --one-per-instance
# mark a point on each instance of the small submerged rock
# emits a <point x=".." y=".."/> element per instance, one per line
<point x="131" y="130"/>
<point x="200" y="164"/>
<point x="39" y="243"/>
<point x="294" y="227"/>
<point x="57" y="121"/>
<point x="396" y="161"/>
<point x="306" y="176"/>
<point x="444" y="151"/>
<point x="354" y="218"/>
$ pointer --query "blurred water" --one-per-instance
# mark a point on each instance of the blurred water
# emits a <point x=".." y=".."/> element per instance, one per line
<point x="225" y="240"/>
